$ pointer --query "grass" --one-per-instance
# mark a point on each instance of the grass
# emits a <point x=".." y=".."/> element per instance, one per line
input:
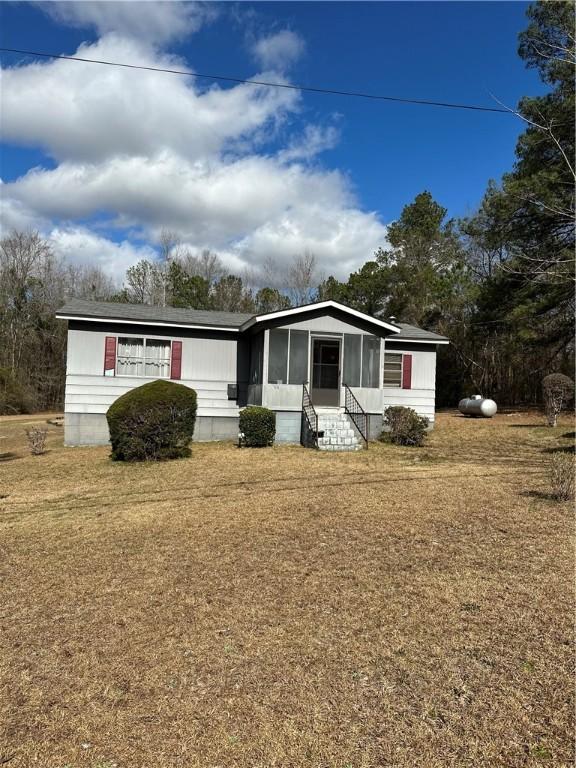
<point x="278" y="608"/>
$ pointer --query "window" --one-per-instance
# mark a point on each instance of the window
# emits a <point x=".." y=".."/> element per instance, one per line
<point x="287" y="356"/>
<point x="370" y="361"/>
<point x="352" y="358"/>
<point x="143" y="357"/>
<point x="392" y="370"/>
<point x="277" y="356"/>
<point x="298" y="357"/>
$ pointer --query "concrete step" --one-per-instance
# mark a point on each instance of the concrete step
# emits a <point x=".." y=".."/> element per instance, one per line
<point x="337" y="433"/>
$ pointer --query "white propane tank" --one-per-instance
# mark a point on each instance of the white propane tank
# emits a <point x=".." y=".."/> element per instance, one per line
<point x="477" y="406"/>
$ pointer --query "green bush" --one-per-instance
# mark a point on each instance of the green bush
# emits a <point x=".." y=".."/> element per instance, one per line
<point x="257" y="426"/>
<point x="153" y="422"/>
<point x="405" y="427"/>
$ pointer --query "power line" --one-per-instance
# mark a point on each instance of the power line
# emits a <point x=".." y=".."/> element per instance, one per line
<point x="225" y="78"/>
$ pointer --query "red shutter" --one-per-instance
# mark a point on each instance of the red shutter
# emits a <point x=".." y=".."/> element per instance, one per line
<point x="407" y="372"/>
<point x="176" y="366"/>
<point x="110" y="356"/>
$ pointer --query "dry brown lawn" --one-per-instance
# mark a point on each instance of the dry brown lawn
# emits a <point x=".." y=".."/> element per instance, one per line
<point x="284" y="608"/>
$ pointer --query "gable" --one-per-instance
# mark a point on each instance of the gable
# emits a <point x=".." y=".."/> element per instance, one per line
<point x="327" y="316"/>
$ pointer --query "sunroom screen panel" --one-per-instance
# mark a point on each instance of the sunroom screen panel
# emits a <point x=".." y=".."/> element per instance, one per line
<point x="352" y="352"/>
<point x="370" y="361"/>
<point x="277" y="356"/>
<point x="298" y="357"/>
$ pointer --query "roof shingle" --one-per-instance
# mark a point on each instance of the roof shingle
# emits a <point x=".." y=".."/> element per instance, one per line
<point x="82" y="308"/>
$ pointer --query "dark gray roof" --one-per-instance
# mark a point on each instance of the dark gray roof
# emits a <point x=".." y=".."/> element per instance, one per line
<point x="111" y="310"/>
<point x="146" y="313"/>
<point x="413" y="333"/>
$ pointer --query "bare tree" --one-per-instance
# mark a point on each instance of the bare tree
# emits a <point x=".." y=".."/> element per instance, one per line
<point x="34" y="283"/>
<point x="21" y="257"/>
<point x="302" y="279"/>
<point x="208" y="265"/>
<point x="558" y="391"/>
<point x="169" y="242"/>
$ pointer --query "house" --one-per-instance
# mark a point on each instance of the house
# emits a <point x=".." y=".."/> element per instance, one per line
<point x="328" y="371"/>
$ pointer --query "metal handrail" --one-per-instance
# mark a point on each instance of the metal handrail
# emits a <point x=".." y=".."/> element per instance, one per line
<point x="354" y="410"/>
<point x="309" y="421"/>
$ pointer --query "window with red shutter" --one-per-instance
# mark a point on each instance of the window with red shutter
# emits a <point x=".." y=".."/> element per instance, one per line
<point x="176" y="366"/>
<point x="407" y="372"/>
<point x="110" y="356"/>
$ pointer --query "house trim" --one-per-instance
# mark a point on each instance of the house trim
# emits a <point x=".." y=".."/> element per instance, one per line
<point x="287" y="313"/>
<point x="163" y="324"/>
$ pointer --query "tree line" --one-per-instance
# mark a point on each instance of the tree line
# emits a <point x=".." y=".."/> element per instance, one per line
<point x="499" y="284"/>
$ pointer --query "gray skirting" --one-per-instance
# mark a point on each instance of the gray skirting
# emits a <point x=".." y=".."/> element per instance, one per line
<point x="92" y="429"/>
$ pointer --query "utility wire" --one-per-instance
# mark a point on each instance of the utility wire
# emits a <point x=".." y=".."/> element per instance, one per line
<point x="307" y="89"/>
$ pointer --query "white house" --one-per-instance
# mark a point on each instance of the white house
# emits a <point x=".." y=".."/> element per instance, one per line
<point x="318" y="366"/>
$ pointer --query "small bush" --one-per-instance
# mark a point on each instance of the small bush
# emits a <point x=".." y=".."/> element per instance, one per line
<point x="562" y="476"/>
<point x="153" y="422"/>
<point x="37" y="440"/>
<point x="405" y="427"/>
<point x="558" y="391"/>
<point x="257" y="426"/>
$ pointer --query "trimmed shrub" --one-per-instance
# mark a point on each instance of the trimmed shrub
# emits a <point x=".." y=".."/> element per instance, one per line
<point x="562" y="476"/>
<point x="405" y="427"/>
<point x="558" y="391"/>
<point x="257" y="426"/>
<point x="153" y="422"/>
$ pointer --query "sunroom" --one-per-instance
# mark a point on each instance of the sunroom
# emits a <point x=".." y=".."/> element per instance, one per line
<point x="325" y="348"/>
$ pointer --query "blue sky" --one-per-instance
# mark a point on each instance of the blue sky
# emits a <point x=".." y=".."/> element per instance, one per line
<point x="357" y="161"/>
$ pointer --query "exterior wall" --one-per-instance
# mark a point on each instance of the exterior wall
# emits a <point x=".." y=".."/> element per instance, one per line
<point x="288" y="426"/>
<point x="92" y="429"/>
<point x="211" y="361"/>
<point x="422" y="395"/>
<point x="324" y="324"/>
<point x="209" y="364"/>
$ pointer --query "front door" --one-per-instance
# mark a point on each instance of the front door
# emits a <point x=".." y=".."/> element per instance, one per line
<point x="325" y="372"/>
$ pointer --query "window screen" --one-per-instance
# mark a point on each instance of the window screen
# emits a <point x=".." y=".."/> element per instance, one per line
<point x="130" y="357"/>
<point x="256" y="353"/>
<point x="277" y="356"/>
<point x="352" y="350"/>
<point x="370" y="361"/>
<point x="157" y="358"/>
<point x="298" y="357"/>
<point x="143" y="357"/>
<point x="392" y="370"/>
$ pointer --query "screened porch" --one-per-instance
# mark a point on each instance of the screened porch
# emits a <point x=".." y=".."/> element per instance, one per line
<point x="283" y="359"/>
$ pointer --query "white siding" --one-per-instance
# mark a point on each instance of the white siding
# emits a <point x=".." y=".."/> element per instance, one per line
<point x="208" y="366"/>
<point x="422" y="400"/>
<point x="325" y="324"/>
<point x="423" y="364"/>
<point x="422" y="394"/>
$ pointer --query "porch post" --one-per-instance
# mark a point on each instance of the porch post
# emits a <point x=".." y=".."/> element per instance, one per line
<point x="265" y="367"/>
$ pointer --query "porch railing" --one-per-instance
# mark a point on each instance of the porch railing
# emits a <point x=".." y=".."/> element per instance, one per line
<point x="354" y="410"/>
<point x="309" y="421"/>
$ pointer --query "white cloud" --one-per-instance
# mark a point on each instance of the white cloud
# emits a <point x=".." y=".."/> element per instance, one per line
<point x="316" y="139"/>
<point x="79" y="245"/>
<point x="147" y="20"/>
<point x="82" y="111"/>
<point x="278" y="51"/>
<point x="254" y="208"/>
<point x="146" y="151"/>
